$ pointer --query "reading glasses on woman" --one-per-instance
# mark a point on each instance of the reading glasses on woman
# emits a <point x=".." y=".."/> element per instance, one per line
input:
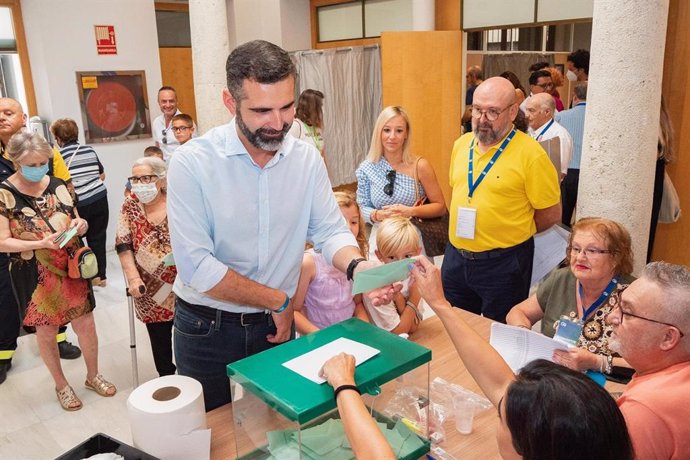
<point x="618" y="313"/>
<point x="491" y="114"/>
<point x="145" y="179"/>
<point x="589" y="252"/>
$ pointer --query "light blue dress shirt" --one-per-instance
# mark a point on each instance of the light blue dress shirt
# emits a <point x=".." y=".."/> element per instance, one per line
<point x="574" y="121"/>
<point x="225" y="211"/>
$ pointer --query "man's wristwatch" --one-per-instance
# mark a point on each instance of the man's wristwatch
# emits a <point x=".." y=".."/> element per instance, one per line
<point x="351" y="268"/>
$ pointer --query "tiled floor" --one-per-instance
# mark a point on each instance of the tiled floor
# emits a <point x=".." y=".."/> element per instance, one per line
<point x="32" y="423"/>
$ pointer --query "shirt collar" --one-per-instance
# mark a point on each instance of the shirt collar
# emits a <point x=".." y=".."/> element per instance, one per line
<point x="234" y="146"/>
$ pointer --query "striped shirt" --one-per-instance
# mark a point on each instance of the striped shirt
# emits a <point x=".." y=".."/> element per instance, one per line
<point x="85" y="169"/>
<point x="574" y="121"/>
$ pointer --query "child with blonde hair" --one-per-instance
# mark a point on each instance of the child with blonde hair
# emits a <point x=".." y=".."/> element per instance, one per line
<point x="324" y="294"/>
<point x="397" y="239"/>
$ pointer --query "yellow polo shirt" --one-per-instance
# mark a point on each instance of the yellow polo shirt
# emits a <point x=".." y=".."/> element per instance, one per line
<point x="521" y="180"/>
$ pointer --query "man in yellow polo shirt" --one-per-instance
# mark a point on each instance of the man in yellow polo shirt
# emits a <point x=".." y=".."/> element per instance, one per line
<point x="505" y="189"/>
<point x="12" y="120"/>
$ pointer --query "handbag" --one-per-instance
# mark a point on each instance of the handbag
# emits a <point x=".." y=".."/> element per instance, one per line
<point x="434" y="230"/>
<point x="81" y="262"/>
<point x="670" y="202"/>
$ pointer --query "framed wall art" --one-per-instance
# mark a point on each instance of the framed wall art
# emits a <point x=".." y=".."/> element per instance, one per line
<point x="114" y="105"/>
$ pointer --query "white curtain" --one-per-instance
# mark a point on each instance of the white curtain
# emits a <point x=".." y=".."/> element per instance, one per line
<point x="350" y="79"/>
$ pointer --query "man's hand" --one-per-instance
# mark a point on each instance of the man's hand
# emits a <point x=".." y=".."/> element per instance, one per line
<point x="283" y="322"/>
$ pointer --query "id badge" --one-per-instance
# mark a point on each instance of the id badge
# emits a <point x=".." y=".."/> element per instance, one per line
<point x="568" y="330"/>
<point x="465" y="225"/>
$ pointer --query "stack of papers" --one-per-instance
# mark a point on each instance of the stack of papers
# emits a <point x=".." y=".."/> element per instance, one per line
<point x="519" y="346"/>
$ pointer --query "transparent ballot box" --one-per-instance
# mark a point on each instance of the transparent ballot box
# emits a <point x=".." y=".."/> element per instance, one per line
<point x="280" y="414"/>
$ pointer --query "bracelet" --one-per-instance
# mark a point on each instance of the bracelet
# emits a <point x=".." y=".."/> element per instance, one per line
<point x="345" y="387"/>
<point x="284" y="306"/>
<point x="609" y="364"/>
<point x="351" y="268"/>
<point x="373" y="216"/>
<point x="414" y="309"/>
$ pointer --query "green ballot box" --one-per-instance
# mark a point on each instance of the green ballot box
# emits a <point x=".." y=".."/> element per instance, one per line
<point x="281" y="411"/>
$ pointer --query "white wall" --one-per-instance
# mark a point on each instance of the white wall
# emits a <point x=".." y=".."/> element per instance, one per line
<point x="61" y="41"/>
<point x="295" y="24"/>
<point x="283" y="22"/>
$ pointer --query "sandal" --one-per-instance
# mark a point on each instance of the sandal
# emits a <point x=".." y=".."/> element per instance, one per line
<point x="68" y="399"/>
<point x="100" y="386"/>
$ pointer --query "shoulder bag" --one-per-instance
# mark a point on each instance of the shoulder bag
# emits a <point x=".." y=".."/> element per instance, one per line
<point x="670" y="203"/>
<point x="434" y="230"/>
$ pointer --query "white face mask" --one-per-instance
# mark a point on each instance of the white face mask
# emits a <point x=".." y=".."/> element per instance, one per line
<point x="146" y="193"/>
<point x="570" y="75"/>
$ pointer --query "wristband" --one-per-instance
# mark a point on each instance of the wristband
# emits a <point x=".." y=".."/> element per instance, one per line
<point x="351" y="268"/>
<point x="345" y="387"/>
<point x="284" y="306"/>
<point x="413" y="307"/>
<point x="608" y="365"/>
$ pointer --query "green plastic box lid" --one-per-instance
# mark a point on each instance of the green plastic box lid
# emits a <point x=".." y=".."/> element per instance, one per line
<point x="301" y="400"/>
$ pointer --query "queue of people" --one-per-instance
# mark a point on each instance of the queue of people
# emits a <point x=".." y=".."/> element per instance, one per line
<point x="228" y="207"/>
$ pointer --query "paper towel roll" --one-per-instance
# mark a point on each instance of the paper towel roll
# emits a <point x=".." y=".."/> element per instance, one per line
<point x="168" y="419"/>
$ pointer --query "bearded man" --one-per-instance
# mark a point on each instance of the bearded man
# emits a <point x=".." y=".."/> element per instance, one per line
<point x="505" y="189"/>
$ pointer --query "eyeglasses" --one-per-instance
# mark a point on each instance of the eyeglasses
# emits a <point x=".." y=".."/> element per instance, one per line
<point x="178" y="129"/>
<point x="146" y="179"/>
<point x="165" y="136"/>
<point x="545" y="85"/>
<point x="388" y="188"/>
<point x="614" y="314"/>
<point x="589" y="252"/>
<point x="491" y="114"/>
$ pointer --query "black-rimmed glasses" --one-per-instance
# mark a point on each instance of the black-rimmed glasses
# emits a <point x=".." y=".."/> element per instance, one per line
<point x="622" y="313"/>
<point x="388" y="188"/>
<point x="145" y="179"/>
<point x="165" y="136"/>
<point x="178" y="129"/>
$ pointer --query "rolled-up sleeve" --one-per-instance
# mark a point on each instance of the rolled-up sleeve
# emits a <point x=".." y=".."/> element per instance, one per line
<point x="190" y="227"/>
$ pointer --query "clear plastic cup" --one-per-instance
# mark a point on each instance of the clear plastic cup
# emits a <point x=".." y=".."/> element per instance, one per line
<point x="464" y="414"/>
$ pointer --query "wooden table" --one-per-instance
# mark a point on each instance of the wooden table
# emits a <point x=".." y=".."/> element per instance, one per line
<point x="445" y="363"/>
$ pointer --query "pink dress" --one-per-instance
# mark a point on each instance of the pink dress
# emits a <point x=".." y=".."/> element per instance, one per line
<point x="329" y="297"/>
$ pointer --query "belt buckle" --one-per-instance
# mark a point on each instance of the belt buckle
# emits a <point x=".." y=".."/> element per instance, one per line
<point x="467" y="254"/>
<point x="242" y="323"/>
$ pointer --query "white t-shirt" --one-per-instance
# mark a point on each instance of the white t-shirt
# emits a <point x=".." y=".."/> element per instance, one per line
<point x="566" y="141"/>
<point x="165" y="137"/>
<point x="386" y="316"/>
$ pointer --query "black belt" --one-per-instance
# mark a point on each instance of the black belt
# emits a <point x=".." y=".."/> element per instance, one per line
<point x="492" y="253"/>
<point x="244" y="319"/>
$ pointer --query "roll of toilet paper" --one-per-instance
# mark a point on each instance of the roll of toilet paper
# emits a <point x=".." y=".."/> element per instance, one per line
<point x="168" y="419"/>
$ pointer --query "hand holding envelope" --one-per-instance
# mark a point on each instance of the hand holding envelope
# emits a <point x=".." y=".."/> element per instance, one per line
<point x="372" y="279"/>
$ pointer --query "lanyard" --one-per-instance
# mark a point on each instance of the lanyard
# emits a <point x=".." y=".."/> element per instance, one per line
<point x="544" y="130"/>
<point x="471" y="185"/>
<point x="604" y="295"/>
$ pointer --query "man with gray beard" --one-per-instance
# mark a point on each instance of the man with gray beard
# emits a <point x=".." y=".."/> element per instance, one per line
<point x="242" y="201"/>
<point x="505" y="189"/>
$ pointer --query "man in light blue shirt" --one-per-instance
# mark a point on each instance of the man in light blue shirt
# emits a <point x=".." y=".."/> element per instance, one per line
<point x="242" y="201"/>
<point x="574" y="121"/>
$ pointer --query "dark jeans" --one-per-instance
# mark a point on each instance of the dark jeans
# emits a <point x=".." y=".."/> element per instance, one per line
<point x="161" y="346"/>
<point x="207" y="340"/>
<point x="492" y="282"/>
<point x="569" y="188"/>
<point x="96" y="214"/>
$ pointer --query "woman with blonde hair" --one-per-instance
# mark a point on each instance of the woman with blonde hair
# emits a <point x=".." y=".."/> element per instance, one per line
<point x="34" y="209"/>
<point x="391" y="180"/>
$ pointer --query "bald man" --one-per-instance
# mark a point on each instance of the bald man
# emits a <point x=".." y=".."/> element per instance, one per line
<point x="505" y="189"/>
<point x="540" y="112"/>
<point x="12" y="120"/>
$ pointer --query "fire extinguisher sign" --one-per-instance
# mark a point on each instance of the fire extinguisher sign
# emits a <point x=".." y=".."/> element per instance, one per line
<point x="105" y="40"/>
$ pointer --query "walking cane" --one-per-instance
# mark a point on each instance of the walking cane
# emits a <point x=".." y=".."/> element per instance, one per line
<point x="132" y="335"/>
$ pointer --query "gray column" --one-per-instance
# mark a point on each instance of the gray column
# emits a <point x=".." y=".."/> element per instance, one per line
<point x="210" y="48"/>
<point x="622" y="121"/>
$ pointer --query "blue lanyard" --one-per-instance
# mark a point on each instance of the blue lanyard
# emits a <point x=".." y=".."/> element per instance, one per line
<point x="471" y="185"/>
<point x="602" y="298"/>
<point x="544" y="130"/>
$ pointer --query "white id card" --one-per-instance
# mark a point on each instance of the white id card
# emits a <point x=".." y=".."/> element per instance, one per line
<point x="467" y="218"/>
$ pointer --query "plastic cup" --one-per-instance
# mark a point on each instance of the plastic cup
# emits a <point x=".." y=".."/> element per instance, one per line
<point x="464" y="415"/>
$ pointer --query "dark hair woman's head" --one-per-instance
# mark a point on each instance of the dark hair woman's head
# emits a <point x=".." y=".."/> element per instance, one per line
<point x="310" y="107"/>
<point x="510" y="76"/>
<point x="553" y="412"/>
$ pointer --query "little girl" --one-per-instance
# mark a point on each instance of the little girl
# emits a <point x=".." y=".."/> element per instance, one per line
<point x="397" y="239"/>
<point x="324" y="294"/>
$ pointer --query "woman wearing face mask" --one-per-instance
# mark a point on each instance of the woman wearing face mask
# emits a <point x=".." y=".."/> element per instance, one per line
<point x="142" y="243"/>
<point x="34" y="209"/>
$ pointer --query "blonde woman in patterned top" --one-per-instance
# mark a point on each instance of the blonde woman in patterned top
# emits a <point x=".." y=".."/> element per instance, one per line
<point x="142" y="243"/>
<point x="34" y="209"/>
<point x="600" y="261"/>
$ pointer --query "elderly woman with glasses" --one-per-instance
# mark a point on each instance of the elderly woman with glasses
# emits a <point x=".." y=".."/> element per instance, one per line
<point x="391" y="180"/>
<point x="600" y="262"/>
<point x="143" y="245"/>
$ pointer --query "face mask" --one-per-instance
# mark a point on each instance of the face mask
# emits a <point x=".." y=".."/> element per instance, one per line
<point x="570" y="75"/>
<point x="145" y="192"/>
<point x="34" y="173"/>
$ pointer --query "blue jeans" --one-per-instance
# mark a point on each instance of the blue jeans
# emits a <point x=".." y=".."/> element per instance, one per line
<point x="488" y="283"/>
<point x="207" y="340"/>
